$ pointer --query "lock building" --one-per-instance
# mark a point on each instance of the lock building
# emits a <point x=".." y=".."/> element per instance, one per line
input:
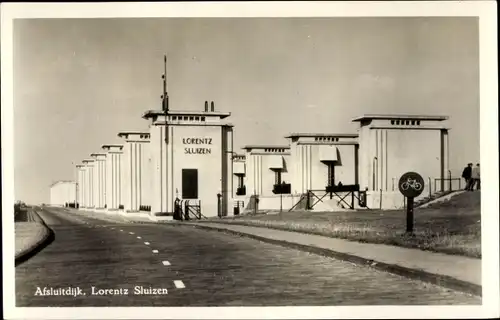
<point x="191" y="154"/>
<point x="185" y="166"/>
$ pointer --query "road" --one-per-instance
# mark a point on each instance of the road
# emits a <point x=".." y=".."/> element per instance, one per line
<point x="194" y="267"/>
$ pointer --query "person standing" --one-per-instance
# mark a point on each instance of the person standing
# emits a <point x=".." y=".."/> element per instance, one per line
<point x="476" y="177"/>
<point x="467" y="174"/>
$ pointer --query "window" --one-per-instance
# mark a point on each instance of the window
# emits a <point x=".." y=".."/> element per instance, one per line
<point x="174" y="118"/>
<point x="418" y="122"/>
<point x="191" y="118"/>
<point x="240" y="181"/>
<point x="202" y="118"/>
<point x="397" y="122"/>
<point x="392" y="121"/>
<point x="413" y="122"/>
<point x="197" y="118"/>
<point x="277" y="177"/>
<point x="185" y="118"/>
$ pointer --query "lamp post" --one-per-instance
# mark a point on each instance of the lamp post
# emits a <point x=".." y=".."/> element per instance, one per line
<point x="449" y="177"/>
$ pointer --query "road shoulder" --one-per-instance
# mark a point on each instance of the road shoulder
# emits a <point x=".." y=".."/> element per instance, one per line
<point x="31" y="236"/>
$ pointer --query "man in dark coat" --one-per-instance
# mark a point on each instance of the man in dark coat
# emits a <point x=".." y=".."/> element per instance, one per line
<point x="467" y="174"/>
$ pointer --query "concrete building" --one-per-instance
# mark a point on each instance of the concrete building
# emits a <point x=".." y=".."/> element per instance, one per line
<point x="99" y="186"/>
<point x="320" y="161"/>
<point x="191" y="155"/>
<point x="136" y="171"/>
<point x="391" y="145"/>
<point x="114" y="154"/>
<point x="267" y="178"/>
<point x="88" y="184"/>
<point x="63" y="193"/>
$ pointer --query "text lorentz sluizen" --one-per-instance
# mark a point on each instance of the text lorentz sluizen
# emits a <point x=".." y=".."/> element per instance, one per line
<point x="95" y="291"/>
<point x="197" y="141"/>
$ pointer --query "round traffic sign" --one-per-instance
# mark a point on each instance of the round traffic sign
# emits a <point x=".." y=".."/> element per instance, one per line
<point x="411" y="184"/>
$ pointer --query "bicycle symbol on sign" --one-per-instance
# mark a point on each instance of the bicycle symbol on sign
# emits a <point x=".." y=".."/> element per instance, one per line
<point x="411" y="183"/>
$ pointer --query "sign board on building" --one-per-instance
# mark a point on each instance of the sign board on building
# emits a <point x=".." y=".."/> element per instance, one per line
<point x="197" y="145"/>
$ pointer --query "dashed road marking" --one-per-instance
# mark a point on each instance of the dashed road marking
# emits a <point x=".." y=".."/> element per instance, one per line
<point x="165" y="263"/>
<point x="146" y="243"/>
<point x="155" y="251"/>
<point x="131" y="232"/>
<point x="179" y="284"/>
<point x="139" y="238"/>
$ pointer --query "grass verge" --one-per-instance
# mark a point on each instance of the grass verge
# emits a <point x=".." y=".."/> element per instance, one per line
<point x="452" y="227"/>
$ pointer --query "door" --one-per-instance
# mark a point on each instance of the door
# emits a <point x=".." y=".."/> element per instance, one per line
<point x="190" y="183"/>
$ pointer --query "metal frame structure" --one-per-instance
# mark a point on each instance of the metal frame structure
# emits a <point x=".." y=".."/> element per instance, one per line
<point x="349" y="190"/>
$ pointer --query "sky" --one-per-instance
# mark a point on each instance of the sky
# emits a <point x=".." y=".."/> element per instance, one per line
<point x="78" y="82"/>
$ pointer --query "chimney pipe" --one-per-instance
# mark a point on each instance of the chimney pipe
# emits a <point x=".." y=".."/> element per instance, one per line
<point x="212" y="107"/>
<point x="206" y="106"/>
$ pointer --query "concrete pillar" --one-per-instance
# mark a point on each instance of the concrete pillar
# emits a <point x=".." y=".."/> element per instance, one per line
<point x="79" y="184"/>
<point x="160" y="172"/>
<point x="134" y="177"/>
<point x="89" y="183"/>
<point x="227" y="169"/>
<point x="112" y="186"/>
<point x="99" y="180"/>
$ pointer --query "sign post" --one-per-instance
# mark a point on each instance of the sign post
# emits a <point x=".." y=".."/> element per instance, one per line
<point x="411" y="185"/>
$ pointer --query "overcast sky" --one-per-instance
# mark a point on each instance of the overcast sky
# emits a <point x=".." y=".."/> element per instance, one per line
<point x="78" y="82"/>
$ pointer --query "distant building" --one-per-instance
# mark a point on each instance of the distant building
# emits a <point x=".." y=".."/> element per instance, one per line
<point x="62" y="193"/>
<point x="239" y="186"/>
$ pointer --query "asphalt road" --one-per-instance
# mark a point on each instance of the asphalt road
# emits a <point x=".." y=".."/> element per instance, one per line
<point x="194" y="267"/>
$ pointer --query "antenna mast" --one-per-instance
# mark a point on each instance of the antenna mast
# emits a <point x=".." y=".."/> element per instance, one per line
<point x="165" y="93"/>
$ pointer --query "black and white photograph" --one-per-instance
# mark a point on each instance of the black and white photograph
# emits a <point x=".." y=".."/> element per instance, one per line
<point x="288" y="159"/>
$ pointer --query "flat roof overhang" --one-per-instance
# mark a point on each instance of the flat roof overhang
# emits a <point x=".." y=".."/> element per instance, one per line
<point x="312" y="135"/>
<point x="155" y="113"/>
<point x="266" y="147"/>
<point x="400" y="116"/>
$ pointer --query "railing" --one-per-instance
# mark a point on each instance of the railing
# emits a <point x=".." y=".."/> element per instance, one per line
<point x="282" y="188"/>
<point x="145" y="208"/>
<point x="440" y="184"/>
<point x="448" y="184"/>
<point x="192" y="210"/>
<point x="241" y="191"/>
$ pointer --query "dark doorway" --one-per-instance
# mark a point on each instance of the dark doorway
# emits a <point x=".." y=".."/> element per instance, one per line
<point x="331" y="174"/>
<point x="190" y="183"/>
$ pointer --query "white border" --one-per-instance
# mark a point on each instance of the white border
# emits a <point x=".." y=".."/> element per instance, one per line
<point x="486" y="10"/>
